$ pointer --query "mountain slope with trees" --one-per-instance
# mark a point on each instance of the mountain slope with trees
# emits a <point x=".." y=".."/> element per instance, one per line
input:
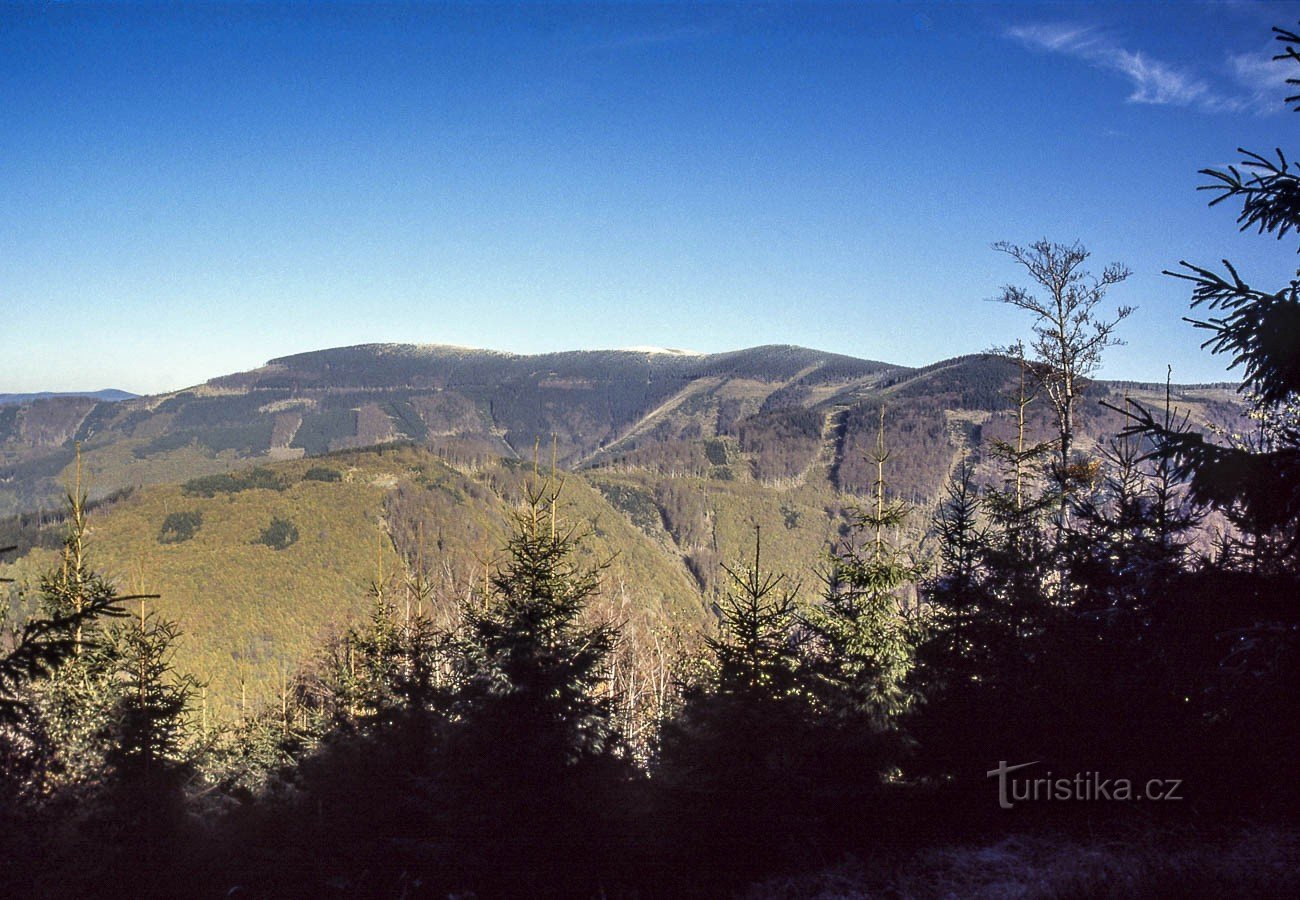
<point x="780" y="412"/>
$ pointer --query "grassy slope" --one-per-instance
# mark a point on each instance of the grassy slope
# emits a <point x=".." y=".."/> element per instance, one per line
<point x="247" y="610"/>
<point x="1229" y="861"/>
<point x="250" y="612"/>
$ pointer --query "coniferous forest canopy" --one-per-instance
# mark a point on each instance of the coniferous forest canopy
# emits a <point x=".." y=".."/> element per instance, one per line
<point x="391" y="621"/>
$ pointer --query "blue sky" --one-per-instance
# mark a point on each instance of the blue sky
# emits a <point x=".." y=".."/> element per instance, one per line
<point x="189" y="191"/>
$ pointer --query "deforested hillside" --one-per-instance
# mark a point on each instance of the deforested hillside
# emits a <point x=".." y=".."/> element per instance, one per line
<point x="468" y="405"/>
<point x="778" y="416"/>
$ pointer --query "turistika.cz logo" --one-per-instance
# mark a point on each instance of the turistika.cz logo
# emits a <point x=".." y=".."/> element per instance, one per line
<point x="1080" y="786"/>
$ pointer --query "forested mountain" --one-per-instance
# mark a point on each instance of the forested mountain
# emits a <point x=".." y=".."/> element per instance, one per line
<point x="111" y="395"/>
<point x="778" y="414"/>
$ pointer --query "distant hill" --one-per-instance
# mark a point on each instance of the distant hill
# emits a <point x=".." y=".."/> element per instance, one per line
<point x="774" y="413"/>
<point x="109" y="395"/>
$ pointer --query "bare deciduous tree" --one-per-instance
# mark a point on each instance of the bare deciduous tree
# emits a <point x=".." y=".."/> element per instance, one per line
<point x="1070" y="332"/>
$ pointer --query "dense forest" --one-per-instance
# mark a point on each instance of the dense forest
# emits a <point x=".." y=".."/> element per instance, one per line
<point x="507" y="729"/>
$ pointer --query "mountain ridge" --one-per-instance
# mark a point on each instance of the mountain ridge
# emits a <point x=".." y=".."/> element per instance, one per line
<point x="109" y="395"/>
<point x="758" y="411"/>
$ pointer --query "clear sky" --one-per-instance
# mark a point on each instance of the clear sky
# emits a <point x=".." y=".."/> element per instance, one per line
<point x="187" y="191"/>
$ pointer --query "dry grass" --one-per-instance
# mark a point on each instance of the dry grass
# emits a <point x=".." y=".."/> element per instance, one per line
<point x="1250" y="861"/>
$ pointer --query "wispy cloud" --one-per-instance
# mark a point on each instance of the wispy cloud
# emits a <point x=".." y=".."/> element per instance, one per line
<point x="1076" y="40"/>
<point x="1157" y="82"/>
<point x="1263" y="78"/>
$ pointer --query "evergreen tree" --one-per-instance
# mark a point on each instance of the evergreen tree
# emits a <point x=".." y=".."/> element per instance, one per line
<point x="38" y="646"/>
<point x="864" y="637"/>
<point x="72" y="706"/>
<point x="757" y="655"/>
<point x="530" y="669"/>
<point x="74" y="591"/>
<point x="1256" y="481"/>
<point x="149" y="733"/>
<point x="1247" y="594"/>
<point x="737" y="759"/>
<point x="1016" y="509"/>
<point x="374" y="652"/>
<point x="139" y="805"/>
<point x="990" y="606"/>
<point x="103" y="730"/>
<point x="390" y="676"/>
<point x="1131" y="537"/>
<point x="255" y="758"/>
<point x="961" y="535"/>
<point x="535" y="775"/>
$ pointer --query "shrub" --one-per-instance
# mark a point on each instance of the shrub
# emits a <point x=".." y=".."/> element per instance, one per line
<point x="790" y="515"/>
<point x="233" y="483"/>
<point x="281" y="533"/>
<point x="716" y="452"/>
<point x="636" y="505"/>
<point x="180" y="526"/>
<point x="322" y="473"/>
